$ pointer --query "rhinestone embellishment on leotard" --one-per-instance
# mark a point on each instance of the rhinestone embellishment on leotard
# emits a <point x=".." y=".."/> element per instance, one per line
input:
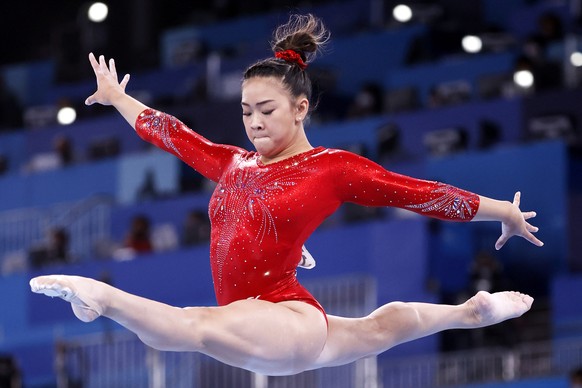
<point x="452" y="202"/>
<point x="156" y="122"/>
<point x="247" y="193"/>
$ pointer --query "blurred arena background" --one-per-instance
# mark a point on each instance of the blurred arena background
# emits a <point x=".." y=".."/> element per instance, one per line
<point x="482" y="94"/>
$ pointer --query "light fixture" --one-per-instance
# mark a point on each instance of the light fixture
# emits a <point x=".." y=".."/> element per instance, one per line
<point x="66" y="115"/>
<point x="97" y="12"/>
<point x="472" y="44"/>
<point x="402" y="13"/>
<point x="423" y="13"/>
<point x="523" y="79"/>
<point x="488" y="41"/>
<point x="576" y="59"/>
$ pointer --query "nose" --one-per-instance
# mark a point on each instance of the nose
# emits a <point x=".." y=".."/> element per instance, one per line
<point x="256" y="122"/>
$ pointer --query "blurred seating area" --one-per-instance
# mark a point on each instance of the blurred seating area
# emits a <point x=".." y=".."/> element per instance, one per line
<point x="484" y="95"/>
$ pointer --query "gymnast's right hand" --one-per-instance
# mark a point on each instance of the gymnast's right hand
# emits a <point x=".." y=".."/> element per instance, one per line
<point x="108" y="86"/>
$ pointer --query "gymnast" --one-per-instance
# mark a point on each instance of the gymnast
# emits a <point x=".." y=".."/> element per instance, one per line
<point x="265" y="205"/>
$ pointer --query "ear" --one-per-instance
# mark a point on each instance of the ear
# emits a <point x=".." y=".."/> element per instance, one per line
<point x="302" y="109"/>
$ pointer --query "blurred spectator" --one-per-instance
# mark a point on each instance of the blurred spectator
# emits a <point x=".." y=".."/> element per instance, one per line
<point x="549" y="30"/>
<point x="138" y="238"/>
<point x="71" y="365"/>
<point x="547" y="72"/>
<point x="63" y="148"/>
<point x="14" y="262"/>
<point x="335" y="104"/>
<point x="54" y="251"/>
<point x="3" y="164"/>
<point x="486" y="274"/>
<point x="11" y="112"/>
<point x="367" y="102"/>
<point x="575" y="378"/>
<point x="196" y="228"/>
<point x="148" y="189"/>
<point x="10" y="376"/>
<point x="164" y="237"/>
<point x="59" y="244"/>
<point x="547" y="75"/>
<point x="388" y="142"/>
<point x="61" y="155"/>
<point x="489" y="134"/>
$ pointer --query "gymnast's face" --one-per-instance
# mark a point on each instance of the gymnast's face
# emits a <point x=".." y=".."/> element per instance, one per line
<point x="273" y="119"/>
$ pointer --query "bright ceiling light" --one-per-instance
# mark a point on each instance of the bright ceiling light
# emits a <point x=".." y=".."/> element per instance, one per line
<point x="472" y="44"/>
<point x="523" y="78"/>
<point x="98" y="12"/>
<point x="576" y="59"/>
<point x="66" y="115"/>
<point x="402" y="13"/>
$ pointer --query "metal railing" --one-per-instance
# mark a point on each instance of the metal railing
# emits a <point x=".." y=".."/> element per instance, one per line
<point x="86" y="222"/>
<point x="119" y="359"/>
<point x="527" y="361"/>
<point x="123" y="361"/>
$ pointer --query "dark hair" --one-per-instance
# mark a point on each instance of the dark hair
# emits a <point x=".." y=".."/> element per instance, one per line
<point x="304" y="34"/>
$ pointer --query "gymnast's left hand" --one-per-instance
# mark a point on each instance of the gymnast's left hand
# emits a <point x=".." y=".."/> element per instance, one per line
<point x="109" y="89"/>
<point x="516" y="224"/>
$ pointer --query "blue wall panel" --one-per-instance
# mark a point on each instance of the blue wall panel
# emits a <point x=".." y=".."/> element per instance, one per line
<point x="14" y="192"/>
<point x="566" y="309"/>
<point x="132" y="171"/>
<point x="12" y="146"/>
<point x="72" y="184"/>
<point x="550" y="382"/>
<point x="539" y="171"/>
<point x="58" y="186"/>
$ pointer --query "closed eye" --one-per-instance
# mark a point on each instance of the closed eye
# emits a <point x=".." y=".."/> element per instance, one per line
<point x="268" y="112"/>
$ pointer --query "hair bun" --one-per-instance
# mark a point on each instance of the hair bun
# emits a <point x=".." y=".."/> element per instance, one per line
<point x="303" y="34"/>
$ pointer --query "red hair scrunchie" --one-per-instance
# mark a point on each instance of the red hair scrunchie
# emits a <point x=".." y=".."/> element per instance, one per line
<point x="291" y="56"/>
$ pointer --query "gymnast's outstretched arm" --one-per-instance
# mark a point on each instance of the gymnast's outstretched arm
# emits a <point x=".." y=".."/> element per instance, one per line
<point x="111" y="91"/>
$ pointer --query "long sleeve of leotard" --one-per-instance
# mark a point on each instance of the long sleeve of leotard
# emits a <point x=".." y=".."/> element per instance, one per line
<point x="170" y="134"/>
<point x="364" y="182"/>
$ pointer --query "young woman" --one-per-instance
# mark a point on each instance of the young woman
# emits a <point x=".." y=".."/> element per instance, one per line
<point x="265" y="205"/>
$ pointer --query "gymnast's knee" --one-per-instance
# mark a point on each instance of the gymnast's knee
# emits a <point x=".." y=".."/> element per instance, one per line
<point x="392" y="321"/>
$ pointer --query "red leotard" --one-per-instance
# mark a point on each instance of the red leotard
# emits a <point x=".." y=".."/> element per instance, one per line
<point x="262" y="214"/>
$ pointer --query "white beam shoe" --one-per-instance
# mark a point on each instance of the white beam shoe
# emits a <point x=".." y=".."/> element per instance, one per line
<point x="56" y="286"/>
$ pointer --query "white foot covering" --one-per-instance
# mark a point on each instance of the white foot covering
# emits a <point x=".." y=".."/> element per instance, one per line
<point x="68" y="289"/>
<point x="490" y="309"/>
<point x="307" y="261"/>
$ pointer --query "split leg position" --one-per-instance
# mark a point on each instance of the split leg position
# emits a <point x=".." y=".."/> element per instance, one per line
<point x="276" y="338"/>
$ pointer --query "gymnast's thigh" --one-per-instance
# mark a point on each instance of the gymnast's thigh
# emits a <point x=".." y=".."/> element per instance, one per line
<point x="274" y="338"/>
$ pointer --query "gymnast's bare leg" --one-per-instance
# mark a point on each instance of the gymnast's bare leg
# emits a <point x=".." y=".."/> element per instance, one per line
<point x="350" y="339"/>
<point x="247" y="333"/>
<point x="269" y="338"/>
